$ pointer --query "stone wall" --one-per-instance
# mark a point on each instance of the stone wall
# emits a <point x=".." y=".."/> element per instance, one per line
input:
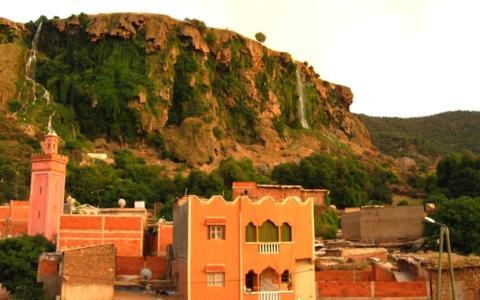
<point x="89" y="273"/>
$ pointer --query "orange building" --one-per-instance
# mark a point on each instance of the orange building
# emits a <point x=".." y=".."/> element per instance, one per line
<point x="278" y="192"/>
<point x="244" y="249"/>
<point x="47" y="189"/>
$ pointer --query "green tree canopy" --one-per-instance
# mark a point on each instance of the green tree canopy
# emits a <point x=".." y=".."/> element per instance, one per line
<point x="18" y="265"/>
<point x="461" y="215"/>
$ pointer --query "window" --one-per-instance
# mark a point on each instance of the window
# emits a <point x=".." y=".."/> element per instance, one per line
<point x="285" y="276"/>
<point x="286" y="232"/>
<point x="251" y="281"/>
<point x="250" y="233"/>
<point x="216" y="279"/>
<point x="216" y="232"/>
<point x="268" y="232"/>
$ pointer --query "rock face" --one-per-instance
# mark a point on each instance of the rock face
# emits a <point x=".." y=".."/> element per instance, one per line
<point x="209" y="93"/>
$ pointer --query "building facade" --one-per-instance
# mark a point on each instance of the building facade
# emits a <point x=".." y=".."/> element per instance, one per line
<point x="244" y="249"/>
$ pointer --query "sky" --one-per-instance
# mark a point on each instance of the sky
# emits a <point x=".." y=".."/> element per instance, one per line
<point x="401" y="58"/>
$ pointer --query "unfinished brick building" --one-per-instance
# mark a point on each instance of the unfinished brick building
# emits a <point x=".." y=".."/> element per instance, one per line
<point x="14" y="219"/>
<point x="278" y="192"/>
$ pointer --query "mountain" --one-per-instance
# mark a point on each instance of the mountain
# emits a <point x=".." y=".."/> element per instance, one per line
<point x="428" y="137"/>
<point x="194" y="94"/>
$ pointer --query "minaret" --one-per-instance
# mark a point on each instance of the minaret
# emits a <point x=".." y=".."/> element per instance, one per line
<point x="47" y="188"/>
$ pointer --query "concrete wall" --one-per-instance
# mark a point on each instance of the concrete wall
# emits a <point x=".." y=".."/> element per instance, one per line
<point x="180" y="248"/>
<point x="304" y="280"/>
<point x="351" y="225"/>
<point x="88" y="273"/>
<point x="382" y="224"/>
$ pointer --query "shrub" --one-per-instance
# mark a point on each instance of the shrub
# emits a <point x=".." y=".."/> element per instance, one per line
<point x="259" y="36"/>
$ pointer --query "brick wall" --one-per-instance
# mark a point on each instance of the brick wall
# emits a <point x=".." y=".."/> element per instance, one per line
<point x="125" y="265"/>
<point x="343" y="275"/>
<point x="369" y="290"/>
<point x="125" y="232"/>
<point x="277" y="192"/>
<point x="14" y="218"/>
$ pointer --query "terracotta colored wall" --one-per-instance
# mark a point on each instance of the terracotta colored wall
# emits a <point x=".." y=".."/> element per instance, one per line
<point x="128" y="265"/>
<point x="343" y="275"/>
<point x="344" y="289"/>
<point x="14" y="218"/>
<point x="381" y="274"/>
<point x="157" y="266"/>
<point x="47" y="268"/>
<point x="372" y="289"/>
<point x="164" y="238"/>
<point x="401" y="289"/>
<point x="125" y="232"/>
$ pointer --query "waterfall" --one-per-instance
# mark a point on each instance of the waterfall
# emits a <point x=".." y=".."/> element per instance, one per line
<point x="300" y="103"/>
<point x="31" y="66"/>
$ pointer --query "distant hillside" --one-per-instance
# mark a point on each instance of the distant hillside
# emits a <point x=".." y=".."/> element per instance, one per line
<point x="430" y="136"/>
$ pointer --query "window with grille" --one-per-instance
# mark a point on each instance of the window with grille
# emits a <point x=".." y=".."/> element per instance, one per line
<point x="216" y="232"/>
<point x="216" y="279"/>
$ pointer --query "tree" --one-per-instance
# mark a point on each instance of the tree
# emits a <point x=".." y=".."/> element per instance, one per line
<point x="461" y="215"/>
<point x="18" y="265"/>
<point x="260" y="37"/>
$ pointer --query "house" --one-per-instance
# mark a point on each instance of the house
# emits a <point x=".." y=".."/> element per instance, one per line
<point x="383" y="224"/>
<point x="13" y="219"/>
<point x="278" y="192"/>
<point x="80" y="273"/>
<point x="243" y="249"/>
<point x="424" y="266"/>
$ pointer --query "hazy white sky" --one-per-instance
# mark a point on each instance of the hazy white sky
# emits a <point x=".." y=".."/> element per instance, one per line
<point x="400" y="57"/>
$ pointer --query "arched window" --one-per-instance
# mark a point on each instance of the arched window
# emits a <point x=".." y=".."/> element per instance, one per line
<point x="250" y="233"/>
<point x="269" y="280"/>
<point x="285" y="276"/>
<point x="286" y="281"/>
<point x="268" y="232"/>
<point x="286" y="232"/>
<point x="251" y="281"/>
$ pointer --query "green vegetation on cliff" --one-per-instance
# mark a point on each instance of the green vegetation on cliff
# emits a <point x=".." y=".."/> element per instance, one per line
<point x="350" y="181"/>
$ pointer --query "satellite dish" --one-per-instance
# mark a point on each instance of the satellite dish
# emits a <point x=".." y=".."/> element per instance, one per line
<point x="145" y="274"/>
<point x="122" y="202"/>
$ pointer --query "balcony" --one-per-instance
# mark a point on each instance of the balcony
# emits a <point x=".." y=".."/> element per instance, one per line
<point x="269" y="295"/>
<point x="268" y="248"/>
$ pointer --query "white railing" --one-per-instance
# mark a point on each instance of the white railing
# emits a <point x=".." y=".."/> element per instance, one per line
<point x="269" y="247"/>
<point x="269" y="295"/>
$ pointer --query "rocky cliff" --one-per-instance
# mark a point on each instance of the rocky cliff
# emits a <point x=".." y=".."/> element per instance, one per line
<point x="194" y="94"/>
